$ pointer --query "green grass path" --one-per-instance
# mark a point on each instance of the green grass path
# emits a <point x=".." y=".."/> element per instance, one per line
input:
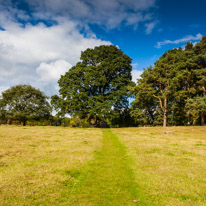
<point x="109" y="179"/>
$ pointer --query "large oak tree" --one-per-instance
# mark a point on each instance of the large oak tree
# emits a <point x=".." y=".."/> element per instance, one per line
<point x="96" y="87"/>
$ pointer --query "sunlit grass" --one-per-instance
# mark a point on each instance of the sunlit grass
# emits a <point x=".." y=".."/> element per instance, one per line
<point x="109" y="179"/>
<point x="170" y="169"/>
<point x="38" y="165"/>
<point x="126" y="166"/>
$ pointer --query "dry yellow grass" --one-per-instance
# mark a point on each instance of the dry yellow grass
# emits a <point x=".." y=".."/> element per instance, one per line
<point x="47" y="165"/>
<point x="170" y="169"/>
<point x="39" y="165"/>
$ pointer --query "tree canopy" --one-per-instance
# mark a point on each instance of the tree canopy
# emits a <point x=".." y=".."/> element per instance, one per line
<point x="173" y="90"/>
<point x="24" y="102"/>
<point x="96" y="87"/>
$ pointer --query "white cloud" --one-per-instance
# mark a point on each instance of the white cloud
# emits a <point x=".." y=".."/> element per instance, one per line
<point x="38" y="54"/>
<point x="50" y="49"/>
<point x="184" y="39"/>
<point x="108" y="13"/>
<point x="136" y="75"/>
<point x="53" y="70"/>
<point x="149" y="27"/>
<point x="2" y="89"/>
<point x="135" y="65"/>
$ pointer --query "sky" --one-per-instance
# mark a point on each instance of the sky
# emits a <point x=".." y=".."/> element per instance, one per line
<point x="40" y="40"/>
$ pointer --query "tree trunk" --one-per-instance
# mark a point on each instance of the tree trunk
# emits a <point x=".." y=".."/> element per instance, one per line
<point x="165" y="113"/>
<point x="165" y="119"/>
<point x="202" y="118"/>
<point x="188" y="118"/>
<point x="188" y="96"/>
<point x="8" y="121"/>
<point x="194" y="120"/>
<point x="163" y="108"/>
<point x="202" y="113"/>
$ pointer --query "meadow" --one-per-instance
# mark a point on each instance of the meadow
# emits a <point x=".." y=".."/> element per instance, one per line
<point x="124" y="166"/>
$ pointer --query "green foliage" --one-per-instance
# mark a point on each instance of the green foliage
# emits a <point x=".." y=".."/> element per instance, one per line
<point x="195" y="106"/>
<point x="37" y="122"/>
<point x="177" y="78"/>
<point x="65" y="121"/>
<point x="124" y="119"/>
<point x="22" y="103"/>
<point x="96" y="88"/>
<point x="77" y="122"/>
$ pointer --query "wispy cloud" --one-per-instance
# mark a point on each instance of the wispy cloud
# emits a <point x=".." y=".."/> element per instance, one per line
<point x="149" y="27"/>
<point x="135" y="65"/>
<point x="178" y="41"/>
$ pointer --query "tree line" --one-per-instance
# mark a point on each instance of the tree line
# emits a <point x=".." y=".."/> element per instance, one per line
<point x="96" y="92"/>
<point x="173" y="91"/>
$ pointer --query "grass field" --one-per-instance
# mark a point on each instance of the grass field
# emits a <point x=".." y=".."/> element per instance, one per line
<point x="126" y="166"/>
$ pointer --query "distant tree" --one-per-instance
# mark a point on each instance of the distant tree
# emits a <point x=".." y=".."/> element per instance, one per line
<point x="2" y="112"/>
<point x="96" y="88"/>
<point x="196" y="107"/>
<point x="23" y="102"/>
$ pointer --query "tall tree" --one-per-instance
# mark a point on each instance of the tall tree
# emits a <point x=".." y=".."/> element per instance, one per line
<point x="174" y="87"/>
<point x="183" y="84"/>
<point x="96" y="87"/>
<point x="156" y="83"/>
<point x="23" y="102"/>
<point x="163" y="73"/>
<point x="144" y="107"/>
<point x="200" y="72"/>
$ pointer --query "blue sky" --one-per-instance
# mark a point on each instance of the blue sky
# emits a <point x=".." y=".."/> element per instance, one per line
<point x="41" y="40"/>
<point x="174" y="20"/>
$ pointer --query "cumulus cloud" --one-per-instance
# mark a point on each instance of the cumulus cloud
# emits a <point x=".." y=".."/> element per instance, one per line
<point x="136" y="75"/>
<point x="53" y="71"/>
<point x="183" y="40"/>
<point x="34" y="53"/>
<point x="41" y="40"/>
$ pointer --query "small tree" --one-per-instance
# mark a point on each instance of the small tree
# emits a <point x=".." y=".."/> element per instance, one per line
<point x="23" y="102"/>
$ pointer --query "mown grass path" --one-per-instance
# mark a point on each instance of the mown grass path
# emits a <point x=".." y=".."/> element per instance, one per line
<point x="109" y="179"/>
